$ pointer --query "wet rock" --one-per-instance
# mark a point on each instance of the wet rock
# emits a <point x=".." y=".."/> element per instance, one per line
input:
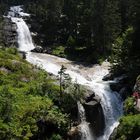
<point x="137" y="85"/>
<point x="74" y="134"/>
<point x="116" y="86"/>
<point x="120" y="83"/>
<point x="22" y="54"/>
<point x="95" y="116"/>
<point x="91" y="104"/>
<point x="108" y="77"/>
<point x="88" y="95"/>
<point x="48" y="50"/>
<point x="113" y="135"/>
<point x="125" y="92"/>
<point x="37" y="49"/>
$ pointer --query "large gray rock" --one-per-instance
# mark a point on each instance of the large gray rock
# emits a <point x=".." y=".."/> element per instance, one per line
<point x="108" y="77"/>
<point x="125" y="92"/>
<point x="116" y="86"/>
<point x="37" y="49"/>
<point x="95" y="116"/>
<point x="74" y="133"/>
<point x="9" y="31"/>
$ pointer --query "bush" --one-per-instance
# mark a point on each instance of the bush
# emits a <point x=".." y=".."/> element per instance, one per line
<point x="129" y="106"/>
<point x="71" y="42"/>
<point x="56" y="137"/>
<point x="12" y="50"/>
<point x="129" y="128"/>
<point x="25" y="101"/>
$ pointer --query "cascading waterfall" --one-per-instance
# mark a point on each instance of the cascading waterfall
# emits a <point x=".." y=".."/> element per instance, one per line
<point x="86" y="133"/>
<point x="92" y="78"/>
<point x="24" y="36"/>
<point x="88" y="76"/>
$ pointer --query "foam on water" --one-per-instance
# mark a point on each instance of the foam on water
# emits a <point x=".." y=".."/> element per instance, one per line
<point x="88" y="76"/>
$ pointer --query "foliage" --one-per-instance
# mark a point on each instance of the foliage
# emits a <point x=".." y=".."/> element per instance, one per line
<point x="124" y="57"/>
<point x="70" y="92"/>
<point x="64" y="79"/>
<point x="71" y="42"/>
<point x="129" y="128"/>
<point x="59" y="51"/>
<point x="24" y="100"/>
<point x="56" y="137"/>
<point x="129" y="106"/>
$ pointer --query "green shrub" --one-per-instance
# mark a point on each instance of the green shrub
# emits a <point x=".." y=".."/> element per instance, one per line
<point x="12" y="50"/>
<point x="56" y="137"/>
<point x="129" y="106"/>
<point x="129" y="128"/>
<point x="71" y="42"/>
<point x="25" y="100"/>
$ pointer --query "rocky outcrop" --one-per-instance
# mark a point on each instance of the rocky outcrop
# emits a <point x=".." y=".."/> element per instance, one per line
<point x="74" y="133"/>
<point x="137" y="84"/>
<point x="134" y="133"/>
<point x="39" y="49"/>
<point x="95" y="116"/>
<point x="10" y="34"/>
<point x="94" y="112"/>
<point x="108" y="77"/>
<point x="122" y="87"/>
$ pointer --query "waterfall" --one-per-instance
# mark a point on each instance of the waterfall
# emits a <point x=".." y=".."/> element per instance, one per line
<point x="87" y="76"/>
<point x="24" y="36"/>
<point x="91" y="77"/>
<point x="86" y="133"/>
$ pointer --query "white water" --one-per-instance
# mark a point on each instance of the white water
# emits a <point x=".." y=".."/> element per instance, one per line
<point x="88" y="76"/>
<point x="86" y="133"/>
<point x="24" y="36"/>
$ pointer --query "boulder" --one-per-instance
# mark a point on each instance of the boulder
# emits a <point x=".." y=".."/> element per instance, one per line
<point x="74" y="133"/>
<point x="37" y="49"/>
<point x="88" y="95"/>
<point x="116" y="86"/>
<point x="108" y="77"/>
<point x="22" y="54"/>
<point x="95" y="116"/>
<point x="125" y="92"/>
<point x="119" y="84"/>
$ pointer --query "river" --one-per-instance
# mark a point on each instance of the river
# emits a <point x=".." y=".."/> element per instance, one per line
<point x="90" y="76"/>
